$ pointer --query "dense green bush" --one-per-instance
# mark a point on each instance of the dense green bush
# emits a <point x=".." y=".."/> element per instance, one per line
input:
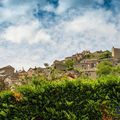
<point x="62" y="100"/>
<point x="107" y="68"/>
<point x="105" y="54"/>
<point x="69" y="64"/>
<point x="104" y="68"/>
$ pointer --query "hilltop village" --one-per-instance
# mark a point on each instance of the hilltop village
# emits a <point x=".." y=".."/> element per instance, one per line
<point x="80" y="64"/>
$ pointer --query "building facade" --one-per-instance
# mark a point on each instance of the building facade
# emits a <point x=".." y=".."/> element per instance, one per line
<point x="116" y="53"/>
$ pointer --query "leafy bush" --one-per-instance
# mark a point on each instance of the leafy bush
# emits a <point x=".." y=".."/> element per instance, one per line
<point x="62" y="100"/>
<point x="69" y="64"/>
<point x="104" y="68"/>
<point x="105" y="54"/>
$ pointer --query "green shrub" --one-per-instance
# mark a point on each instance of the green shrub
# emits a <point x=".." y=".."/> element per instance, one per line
<point x="62" y="100"/>
<point x="104" y="68"/>
<point x="105" y="54"/>
<point x="69" y="64"/>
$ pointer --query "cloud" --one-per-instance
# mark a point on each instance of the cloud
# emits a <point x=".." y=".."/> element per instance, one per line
<point x="92" y="21"/>
<point x="100" y="1"/>
<point x="70" y="27"/>
<point x="19" y="57"/>
<point x="30" y="32"/>
<point x="92" y="30"/>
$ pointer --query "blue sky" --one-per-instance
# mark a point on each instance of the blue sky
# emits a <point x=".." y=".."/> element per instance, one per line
<point x="33" y="32"/>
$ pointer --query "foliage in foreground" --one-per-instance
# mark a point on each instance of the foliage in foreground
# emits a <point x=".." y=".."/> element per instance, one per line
<point x="62" y="100"/>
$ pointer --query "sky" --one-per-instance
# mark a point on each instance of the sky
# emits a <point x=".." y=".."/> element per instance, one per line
<point x="34" y="32"/>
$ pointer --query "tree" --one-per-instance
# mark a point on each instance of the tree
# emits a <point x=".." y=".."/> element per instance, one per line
<point x="116" y="70"/>
<point x="106" y="54"/>
<point x="46" y="65"/>
<point x="104" y="68"/>
<point x="69" y="64"/>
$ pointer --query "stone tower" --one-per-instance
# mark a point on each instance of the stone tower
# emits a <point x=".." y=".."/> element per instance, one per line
<point x="116" y="53"/>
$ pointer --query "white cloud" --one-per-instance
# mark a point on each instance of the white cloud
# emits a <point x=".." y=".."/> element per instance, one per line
<point x="92" y="30"/>
<point x="93" y="23"/>
<point x="15" y="14"/>
<point x="30" y="32"/>
<point x="63" y="6"/>
<point x="100" y="1"/>
<point x="27" y="43"/>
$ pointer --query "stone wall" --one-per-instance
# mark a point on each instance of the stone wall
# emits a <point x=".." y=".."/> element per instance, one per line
<point x="116" y="53"/>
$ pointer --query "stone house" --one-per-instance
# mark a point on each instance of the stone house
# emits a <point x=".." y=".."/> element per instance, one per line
<point x="88" y="67"/>
<point x="59" y="65"/>
<point x="11" y="82"/>
<point x="87" y="64"/>
<point x="77" y="57"/>
<point x="7" y="71"/>
<point x="90" y="73"/>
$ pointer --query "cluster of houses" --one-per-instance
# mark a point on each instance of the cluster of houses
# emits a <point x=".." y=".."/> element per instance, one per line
<point x="9" y="78"/>
<point x="82" y="66"/>
<point x="87" y="66"/>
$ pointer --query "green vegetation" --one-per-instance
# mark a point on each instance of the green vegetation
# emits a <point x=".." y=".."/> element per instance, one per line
<point x="46" y="65"/>
<point x="54" y="97"/>
<point x="106" y="68"/>
<point x="69" y="64"/>
<point x="105" y="54"/>
<point x="99" y="55"/>
<point x="62" y="100"/>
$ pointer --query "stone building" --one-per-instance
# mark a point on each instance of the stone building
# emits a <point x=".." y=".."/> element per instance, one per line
<point x="4" y="73"/>
<point x="11" y="81"/>
<point x="116" y="53"/>
<point x="88" y="67"/>
<point x="7" y="71"/>
<point x="87" y="64"/>
<point x="86" y="52"/>
<point x="8" y="78"/>
<point x="90" y="73"/>
<point x="77" y="57"/>
<point x="59" y="65"/>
